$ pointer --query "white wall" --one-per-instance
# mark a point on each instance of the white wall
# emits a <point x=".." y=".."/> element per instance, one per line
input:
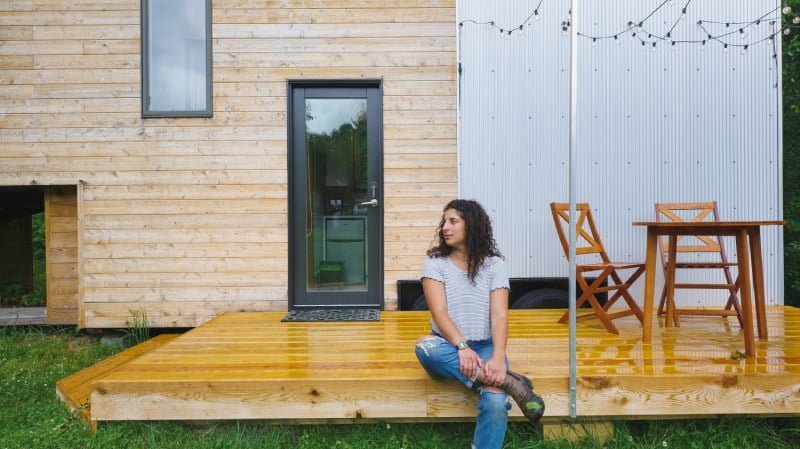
<point x="666" y="126"/>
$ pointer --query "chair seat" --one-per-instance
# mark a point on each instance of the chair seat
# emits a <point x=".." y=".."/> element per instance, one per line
<point x="604" y="265"/>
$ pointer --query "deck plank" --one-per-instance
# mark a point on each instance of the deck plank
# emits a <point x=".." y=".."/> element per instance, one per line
<point x="75" y="390"/>
<point x="252" y="366"/>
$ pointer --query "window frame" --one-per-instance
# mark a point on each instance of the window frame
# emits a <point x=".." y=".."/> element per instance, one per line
<point x="145" y="48"/>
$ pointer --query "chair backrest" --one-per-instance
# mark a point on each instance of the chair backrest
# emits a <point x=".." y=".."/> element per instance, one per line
<point x="700" y="212"/>
<point x="588" y="238"/>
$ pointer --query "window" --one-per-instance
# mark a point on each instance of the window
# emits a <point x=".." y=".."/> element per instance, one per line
<point x="176" y="58"/>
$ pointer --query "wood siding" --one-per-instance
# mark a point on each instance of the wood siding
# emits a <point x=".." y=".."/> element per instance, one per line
<point x="61" y="258"/>
<point x="187" y="218"/>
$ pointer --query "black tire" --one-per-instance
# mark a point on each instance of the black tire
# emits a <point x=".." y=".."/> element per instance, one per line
<point x="543" y="298"/>
<point x="420" y="303"/>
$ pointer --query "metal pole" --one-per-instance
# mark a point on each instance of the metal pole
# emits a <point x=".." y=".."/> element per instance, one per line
<point x="573" y="106"/>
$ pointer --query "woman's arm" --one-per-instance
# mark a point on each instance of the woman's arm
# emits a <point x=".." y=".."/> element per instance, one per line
<point x="469" y="362"/>
<point x="437" y="304"/>
<point x="495" y="368"/>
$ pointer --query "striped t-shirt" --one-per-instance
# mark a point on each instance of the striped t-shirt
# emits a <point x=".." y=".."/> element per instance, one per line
<point x="468" y="301"/>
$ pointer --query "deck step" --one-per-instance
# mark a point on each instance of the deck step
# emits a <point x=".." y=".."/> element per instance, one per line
<point x="75" y="390"/>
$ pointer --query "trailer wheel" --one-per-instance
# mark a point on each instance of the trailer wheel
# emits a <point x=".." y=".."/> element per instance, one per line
<point x="543" y="298"/>
<point x="420" y="303"/>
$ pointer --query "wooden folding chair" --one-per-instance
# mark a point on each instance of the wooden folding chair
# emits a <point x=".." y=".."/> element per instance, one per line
<point x="590" y="239"/>
<point x="704" y="244"/>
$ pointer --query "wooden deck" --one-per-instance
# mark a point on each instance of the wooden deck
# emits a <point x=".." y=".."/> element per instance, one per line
<point x="252" y="366"/>
<point x="23" y="316"/>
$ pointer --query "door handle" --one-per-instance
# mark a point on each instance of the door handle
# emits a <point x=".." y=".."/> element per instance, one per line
<point x="373" y="186"/>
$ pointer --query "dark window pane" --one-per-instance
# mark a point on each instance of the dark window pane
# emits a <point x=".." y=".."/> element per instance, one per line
<point x="177" y="56"/>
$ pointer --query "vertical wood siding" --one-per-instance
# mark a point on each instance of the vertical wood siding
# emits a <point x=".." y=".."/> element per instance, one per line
<point x="61" y="254"/>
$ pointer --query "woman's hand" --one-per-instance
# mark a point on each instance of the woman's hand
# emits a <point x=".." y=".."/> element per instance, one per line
<point x="469" y="363"/>
<point x="494" y="371"/>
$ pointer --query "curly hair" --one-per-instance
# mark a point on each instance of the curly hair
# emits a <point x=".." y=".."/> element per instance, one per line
<point x="479" y="240"/>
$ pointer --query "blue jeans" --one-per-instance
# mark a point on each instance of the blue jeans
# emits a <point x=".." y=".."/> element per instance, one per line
<point x="440" y="360"/>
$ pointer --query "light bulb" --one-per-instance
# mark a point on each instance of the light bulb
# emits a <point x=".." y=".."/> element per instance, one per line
<point x="633" y="35"/>
<point x="672" y="47"/>
<point x="536" y="15"/>
<point x="787" y="9"/>
<point x="594" y="42"/>
<point x="787" y="31"/>
<point x="521" y="29"/>
<point x="683" y="13"/>
<point x="742" y="34"/>
<point x="796" y="20"/>
<point x="616" y="40"/>
<point x="725" y="48"/>
<point x="703" y="45"/>
<point x="744" y="50"/>
<point x="654" y="47"/>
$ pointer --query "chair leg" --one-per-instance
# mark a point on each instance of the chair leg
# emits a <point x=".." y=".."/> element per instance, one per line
<point x="734" y="301"/>
<point x="588" y="295"/>
<point x="602" y="315"/>
<point x="662" y="301"/>
<point x="587" y="290"/>
<point x="627" y="296"/>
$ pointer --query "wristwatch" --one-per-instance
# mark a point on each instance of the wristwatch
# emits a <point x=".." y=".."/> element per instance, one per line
<point x="461" y="344"/>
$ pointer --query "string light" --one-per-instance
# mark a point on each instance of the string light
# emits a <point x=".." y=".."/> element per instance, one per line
<point x="636" y="29"/>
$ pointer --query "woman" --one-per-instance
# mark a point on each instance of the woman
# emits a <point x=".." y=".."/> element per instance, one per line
<point x="466" y="286"/>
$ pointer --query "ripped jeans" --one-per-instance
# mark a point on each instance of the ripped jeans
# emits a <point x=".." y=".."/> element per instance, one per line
<point x="440" y="360"/>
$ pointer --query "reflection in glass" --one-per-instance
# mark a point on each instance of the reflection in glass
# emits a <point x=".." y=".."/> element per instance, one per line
<point x="176" y="55"/>
<point x="336" y="226"/>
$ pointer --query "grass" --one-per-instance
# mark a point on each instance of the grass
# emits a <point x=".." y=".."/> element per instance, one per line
<point x="32" y="359"/>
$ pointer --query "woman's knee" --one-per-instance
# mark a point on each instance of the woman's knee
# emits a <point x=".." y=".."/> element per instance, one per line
<point x="494" y="403"/>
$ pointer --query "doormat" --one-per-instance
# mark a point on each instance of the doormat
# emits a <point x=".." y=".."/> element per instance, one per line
<point x="333" y="315"/>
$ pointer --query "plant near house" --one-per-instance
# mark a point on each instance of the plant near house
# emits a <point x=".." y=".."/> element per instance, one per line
<point x="138" y="327"/>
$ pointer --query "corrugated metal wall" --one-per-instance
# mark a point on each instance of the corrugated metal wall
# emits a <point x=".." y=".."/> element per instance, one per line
<point x="666" y="126"/>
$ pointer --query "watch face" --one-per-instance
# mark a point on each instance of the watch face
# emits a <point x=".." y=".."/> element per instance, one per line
<point x="462" y="345"/>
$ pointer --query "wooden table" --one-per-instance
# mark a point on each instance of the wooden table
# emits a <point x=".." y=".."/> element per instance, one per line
<point x="748" y="249"/>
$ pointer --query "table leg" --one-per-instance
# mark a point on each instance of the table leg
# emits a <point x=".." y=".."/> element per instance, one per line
<point x="743" y="261"/>
<point x="669" y="283"/>
<point x="649" y="284"/>
<point x="758" y="281"/>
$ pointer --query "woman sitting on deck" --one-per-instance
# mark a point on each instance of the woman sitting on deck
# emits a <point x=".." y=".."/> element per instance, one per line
<point x="466" y="286"/>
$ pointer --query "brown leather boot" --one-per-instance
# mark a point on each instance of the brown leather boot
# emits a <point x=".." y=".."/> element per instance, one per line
<point x="520" y="388"/>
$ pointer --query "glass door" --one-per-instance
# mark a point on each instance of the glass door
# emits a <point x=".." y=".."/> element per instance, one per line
<point x="336" y="197"/>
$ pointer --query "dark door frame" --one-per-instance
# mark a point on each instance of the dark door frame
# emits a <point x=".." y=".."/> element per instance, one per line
<point x="291" y="85"/>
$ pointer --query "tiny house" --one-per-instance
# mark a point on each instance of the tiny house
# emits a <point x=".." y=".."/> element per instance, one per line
<point x="205" y="156"/>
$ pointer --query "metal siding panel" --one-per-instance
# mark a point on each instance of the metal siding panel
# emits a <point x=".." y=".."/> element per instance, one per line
<point x="663" y="126"/>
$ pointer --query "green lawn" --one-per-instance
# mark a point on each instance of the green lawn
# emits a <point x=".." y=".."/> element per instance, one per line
<point x="31" y="416"/>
